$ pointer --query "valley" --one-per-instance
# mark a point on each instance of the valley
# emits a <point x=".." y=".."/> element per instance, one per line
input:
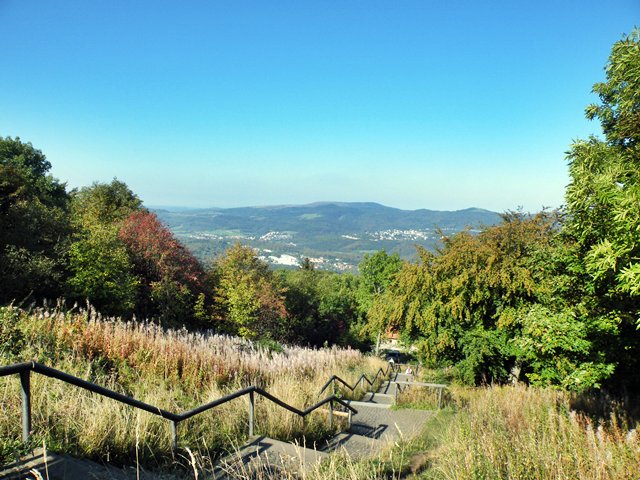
<point x="333" y="235"/>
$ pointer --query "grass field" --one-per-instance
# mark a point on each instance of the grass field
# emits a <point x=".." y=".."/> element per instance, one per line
<point x="173" y="370"/>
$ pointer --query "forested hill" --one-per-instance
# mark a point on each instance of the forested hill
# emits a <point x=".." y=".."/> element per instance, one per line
<point x="334" y="234"/>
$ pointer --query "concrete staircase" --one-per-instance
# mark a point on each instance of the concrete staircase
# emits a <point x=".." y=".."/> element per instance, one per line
<point x="374" y="427"/>
<point x="376" y="424"/>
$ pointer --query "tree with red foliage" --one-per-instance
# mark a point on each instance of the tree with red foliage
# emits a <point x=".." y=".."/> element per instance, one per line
<point x="173" y="277"/>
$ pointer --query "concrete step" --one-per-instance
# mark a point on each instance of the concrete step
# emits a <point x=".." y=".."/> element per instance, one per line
<point x="267" y="457"/>
<point x="356" y="446"/>
<point x="53" y="466"/>
<point x="381" y="398"/>
<point x="388" y="388"/>
<point x="364" y="429"/>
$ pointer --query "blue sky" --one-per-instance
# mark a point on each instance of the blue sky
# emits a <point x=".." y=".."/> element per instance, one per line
<point x="413" y="104"/>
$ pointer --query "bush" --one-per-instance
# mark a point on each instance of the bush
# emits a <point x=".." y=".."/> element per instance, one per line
<point x="12" y="340"/>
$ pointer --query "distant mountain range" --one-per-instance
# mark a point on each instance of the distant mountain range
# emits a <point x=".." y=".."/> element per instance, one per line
<point x="334" y="235"/>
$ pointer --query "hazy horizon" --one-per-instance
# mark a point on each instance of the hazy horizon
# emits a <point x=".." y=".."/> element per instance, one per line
<point x="318" y="202"/>
<point x="229" y="103"/>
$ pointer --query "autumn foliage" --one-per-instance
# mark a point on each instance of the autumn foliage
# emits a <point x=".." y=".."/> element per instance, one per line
<point x="172" y="280"/>
<point x="158" y="254"/>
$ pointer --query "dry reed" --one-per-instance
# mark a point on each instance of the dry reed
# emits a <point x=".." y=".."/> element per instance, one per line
<point x="171" y="369"/>
<point x="520" y="432"/>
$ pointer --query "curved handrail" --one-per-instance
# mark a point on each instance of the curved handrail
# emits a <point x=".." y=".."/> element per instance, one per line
<point x="268" y="396"/>
<point x="362" y="378"/>
<point x="390" y="367"/>
<point x="26" y="367"/>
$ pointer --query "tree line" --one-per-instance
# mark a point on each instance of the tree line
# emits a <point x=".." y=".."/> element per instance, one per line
<point x="99" y="244"/>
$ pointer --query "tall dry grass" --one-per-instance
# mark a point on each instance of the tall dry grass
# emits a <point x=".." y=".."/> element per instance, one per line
<point x="520" y="432"/>
<point x="499" y="432"/>
<point x="172" y="369"/>
<point x="193" y="359"/>
<point x="503" y="433"/>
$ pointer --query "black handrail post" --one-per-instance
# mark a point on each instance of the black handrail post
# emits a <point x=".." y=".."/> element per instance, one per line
<point x="174" y="435"/>
<point x="252" y="406"/>
<point x="331" y="414"/>
<point x="25" y="383"/>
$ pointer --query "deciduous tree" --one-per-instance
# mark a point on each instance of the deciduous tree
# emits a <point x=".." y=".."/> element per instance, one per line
<point x="34" y="225"/>
<point x="253" y="303"/>
<point x="603" y="204"/>
<point x="100" y="266"/>
<point x="102" y="271"/>
<point x="377" y="273"/>
<point x="171" y="276"/>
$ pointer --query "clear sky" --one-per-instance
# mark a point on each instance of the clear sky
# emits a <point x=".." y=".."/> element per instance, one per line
<point x="413" y="104"/>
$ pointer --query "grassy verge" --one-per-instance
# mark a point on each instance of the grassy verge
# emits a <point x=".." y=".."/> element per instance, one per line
<point x="519" y="432"/>
<point x="504" y="433"/>
<point x="174" y="370"/>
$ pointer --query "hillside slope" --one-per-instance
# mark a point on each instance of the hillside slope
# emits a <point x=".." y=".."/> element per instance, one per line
<point x="334" y="235"/>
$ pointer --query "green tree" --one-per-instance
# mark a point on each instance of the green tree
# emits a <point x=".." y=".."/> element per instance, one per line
<point x="253" y="302"/>
<point x="322" y="306"/>
<point x="377" y="273"/>
<point x="603" y="204"/>
<point x="104" y="204"/>
<point x="339" y="310"/>
<point x="559" y="349"/>
<point x="477" y="302"/>
<point x="302" y="301"/>
<point x="102" y="271"/>
<point x="34" y="224"/>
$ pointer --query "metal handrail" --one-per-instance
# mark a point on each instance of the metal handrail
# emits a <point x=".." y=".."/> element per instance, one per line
<point x="391" y="367"/>
<point x="24" y="370"/>
<point x="439" y="386"/>
<point x="363" y="378"/>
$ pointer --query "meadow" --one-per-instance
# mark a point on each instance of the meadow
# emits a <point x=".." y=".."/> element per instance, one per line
<point x="172" y="369"/>
<point x="508" y="432"/>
